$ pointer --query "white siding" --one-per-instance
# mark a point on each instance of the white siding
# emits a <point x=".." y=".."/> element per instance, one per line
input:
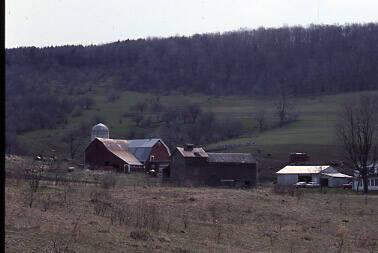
<point x="337" y="182"/>
<point x="287" y="179"/>
<point x="315" y="178"/>
<point x="372" y="184"/>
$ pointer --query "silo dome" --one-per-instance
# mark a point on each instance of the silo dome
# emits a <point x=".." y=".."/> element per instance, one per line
<point x="100" y="131"/>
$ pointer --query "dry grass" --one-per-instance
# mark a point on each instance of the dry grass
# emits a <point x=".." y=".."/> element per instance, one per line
<point x="79" y="218"/>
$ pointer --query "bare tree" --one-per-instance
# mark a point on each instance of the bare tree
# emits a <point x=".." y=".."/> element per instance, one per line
<point x="357" y="130"/>
<point x="74" y="141"/>
<point x="33" y="174"/>
<point x="261" y="121"/>
<point x="140" y="106"/>
<point x="284" y="106"/>
<point x="87" y="102"/>
<point x="194" y="110"/>
<point x="138" y="118"/>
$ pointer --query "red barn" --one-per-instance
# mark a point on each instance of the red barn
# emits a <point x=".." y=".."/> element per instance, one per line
<point x="110" y="153"/>
<point x="153" y="153"/>
<point x="138" y="155"/>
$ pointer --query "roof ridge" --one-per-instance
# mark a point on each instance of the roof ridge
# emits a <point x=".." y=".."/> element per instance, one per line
<point x="229" y="153"/>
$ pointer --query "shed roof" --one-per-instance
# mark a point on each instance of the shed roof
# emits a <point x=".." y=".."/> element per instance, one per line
<point x="231" y="158"/>
<point x="195" y="152"/>
<point x="337" y="175"/>
<point x="143" y="143"/>
<point x="119" y="149"/>
<point x="304" y="169"/>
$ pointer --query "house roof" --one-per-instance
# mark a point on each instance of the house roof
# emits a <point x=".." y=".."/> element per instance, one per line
<point x="231" y="158"/>
<point x="305" y="169"/>
<point x="141" y="148"/>
<point x="195" y="152"/>
<point x="119" y="149"/>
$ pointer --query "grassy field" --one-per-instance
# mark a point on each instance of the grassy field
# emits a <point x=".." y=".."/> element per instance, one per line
<point x="129" y="218"/>
<point x="312" y="133"/>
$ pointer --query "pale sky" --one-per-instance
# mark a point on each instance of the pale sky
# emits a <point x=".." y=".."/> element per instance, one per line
<point x="62" y="22"/>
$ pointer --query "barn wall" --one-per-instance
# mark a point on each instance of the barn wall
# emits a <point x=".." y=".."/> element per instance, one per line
<point x="177" y="168"/>
<point x="199" y="172"/>
<point x="229" y="171"/>
<point x="161" y="154"/>
<point x="97" y="155"/>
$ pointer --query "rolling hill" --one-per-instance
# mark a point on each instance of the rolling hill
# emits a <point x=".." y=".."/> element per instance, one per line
<point x="313" y="132"/>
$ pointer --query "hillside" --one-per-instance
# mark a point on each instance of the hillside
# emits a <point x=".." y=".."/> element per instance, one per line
<point x="54" y="95"/>
<point x="313" y="132"/>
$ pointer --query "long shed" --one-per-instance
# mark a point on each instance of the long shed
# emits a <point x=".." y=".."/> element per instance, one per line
<point x="194" y="166"/>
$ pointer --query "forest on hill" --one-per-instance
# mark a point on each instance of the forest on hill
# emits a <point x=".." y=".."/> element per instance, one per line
<point x="45" y="85"/>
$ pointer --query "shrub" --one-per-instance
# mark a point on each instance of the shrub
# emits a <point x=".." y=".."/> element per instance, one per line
<point x="108" y="181"/>
<point x="143" y="235"/>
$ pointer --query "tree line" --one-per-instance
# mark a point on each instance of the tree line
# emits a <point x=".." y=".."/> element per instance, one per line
<point x="316" y="59"/>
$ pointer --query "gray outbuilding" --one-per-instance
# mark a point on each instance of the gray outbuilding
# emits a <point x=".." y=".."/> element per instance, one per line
<point x="325" y="175"/>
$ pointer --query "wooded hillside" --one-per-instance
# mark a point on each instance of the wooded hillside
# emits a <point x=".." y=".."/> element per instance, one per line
<point x="45" y="85"/>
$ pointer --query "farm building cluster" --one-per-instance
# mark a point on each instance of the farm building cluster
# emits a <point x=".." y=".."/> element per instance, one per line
<point x="193" y="166"/>
<point x="186" y="166"/>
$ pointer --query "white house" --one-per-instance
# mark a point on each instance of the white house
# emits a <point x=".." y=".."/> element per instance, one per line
<point x="325" y="175"/>
<point x="372" y="179"/>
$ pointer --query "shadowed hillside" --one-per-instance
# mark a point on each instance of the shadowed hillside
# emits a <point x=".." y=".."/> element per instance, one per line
<point x="71" y="87"/>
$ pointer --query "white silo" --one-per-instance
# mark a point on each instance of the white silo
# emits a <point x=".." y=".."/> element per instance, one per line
<point x="101" y="131"/>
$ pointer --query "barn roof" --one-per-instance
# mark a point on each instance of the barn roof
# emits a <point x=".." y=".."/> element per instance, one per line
<point x="306" y="169"/>
<point x="195" y="152"/>
<point x="141" y="148"/>
<point x="114" y="144"/>
<point x="231" y="158"/>
<point x="119" y="149"/>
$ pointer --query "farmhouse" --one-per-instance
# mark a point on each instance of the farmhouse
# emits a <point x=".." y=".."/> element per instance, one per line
<point x="325" y="175"/>
<point x="194" y="166"/>
<point x="111" y="154"/>
<point x="372" y="179"/>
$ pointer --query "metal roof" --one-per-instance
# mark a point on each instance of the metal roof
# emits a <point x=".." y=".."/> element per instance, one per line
<point x="306" y="169"/>
<point x="195" y="152"/>
<point x="119" y="148"/>
<point x="231" y="158"/>
<point x="114" y="144"/>
<point x="127" y="157"/>
<point x="141" y="148"/>
<point x="338" y="175"/>
<point x="141" y="153"/>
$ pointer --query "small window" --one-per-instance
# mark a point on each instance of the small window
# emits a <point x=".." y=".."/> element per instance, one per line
<point x="376" y="182"/>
